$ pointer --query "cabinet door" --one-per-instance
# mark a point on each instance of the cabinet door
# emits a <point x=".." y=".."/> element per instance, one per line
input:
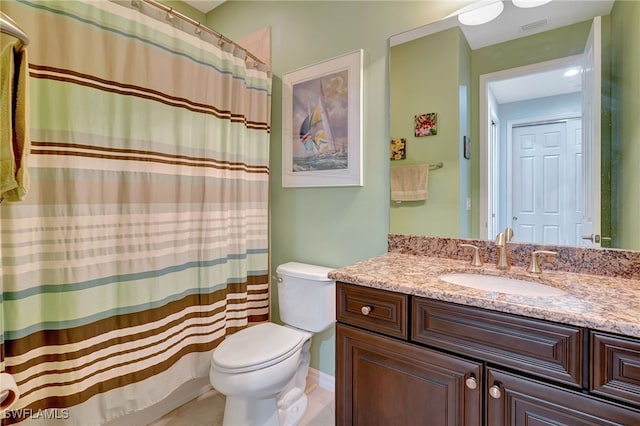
<point x="383" y="381"/>
<point x="515" y="400"/>
<point x="615" y="368"/>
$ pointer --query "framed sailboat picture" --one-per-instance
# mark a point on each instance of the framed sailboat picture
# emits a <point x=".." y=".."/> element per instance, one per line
<point x="322" y="123"/>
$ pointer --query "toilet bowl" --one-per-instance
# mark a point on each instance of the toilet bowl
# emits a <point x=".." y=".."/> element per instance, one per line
<point x="262" y="369"/>
<point x="252" y="369"/>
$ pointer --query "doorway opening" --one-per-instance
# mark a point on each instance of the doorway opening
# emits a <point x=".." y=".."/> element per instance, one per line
<point x="532" y="178"/>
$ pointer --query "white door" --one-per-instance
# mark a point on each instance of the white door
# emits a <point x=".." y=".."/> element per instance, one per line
<point x="591" y="87"/>
<point x="545" y="183"/>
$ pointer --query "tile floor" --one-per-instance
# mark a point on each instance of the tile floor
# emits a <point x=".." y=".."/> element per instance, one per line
<point x="207" y="410"/>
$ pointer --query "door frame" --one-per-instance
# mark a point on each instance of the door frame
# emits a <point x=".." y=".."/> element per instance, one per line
<point x="483" y="119"/>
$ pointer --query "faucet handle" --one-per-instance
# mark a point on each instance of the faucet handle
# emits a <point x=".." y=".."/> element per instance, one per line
<point x="508" y="234"/>
<point x="476" y="261"/>
<point x="534" y="266"/>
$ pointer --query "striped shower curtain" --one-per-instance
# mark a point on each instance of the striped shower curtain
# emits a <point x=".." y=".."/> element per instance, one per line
<point x="143" y="240"/>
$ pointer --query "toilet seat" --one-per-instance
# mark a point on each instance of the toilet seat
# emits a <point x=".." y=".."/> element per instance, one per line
<point x="257" y="347"/>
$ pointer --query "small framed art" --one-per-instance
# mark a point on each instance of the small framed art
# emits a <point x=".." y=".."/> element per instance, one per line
<point x="426" y="124"/>
<point x="398" y="149"/>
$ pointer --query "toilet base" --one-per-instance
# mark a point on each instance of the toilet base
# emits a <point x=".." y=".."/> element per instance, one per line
<point x="251" y="412"/>
<point x="294" y="412"/>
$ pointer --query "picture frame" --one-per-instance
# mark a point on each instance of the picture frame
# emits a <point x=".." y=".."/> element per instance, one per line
<point x="425" y="124"/>
<point x="466" y="147"/>
<point x="322" y="123"/>
<point x="398" y="149"/>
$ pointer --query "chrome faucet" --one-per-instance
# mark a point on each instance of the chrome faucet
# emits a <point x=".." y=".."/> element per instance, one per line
<point x="501" y="242"/>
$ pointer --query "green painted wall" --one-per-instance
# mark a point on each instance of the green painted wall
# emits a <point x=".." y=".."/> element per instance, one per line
<point x="330" y="226"/>
<point x="424" y="79"/>
<point x="186" y="9"/>
<point x="625" y="41"/>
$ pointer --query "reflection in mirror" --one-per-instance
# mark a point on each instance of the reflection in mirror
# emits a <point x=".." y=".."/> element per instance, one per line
<point x="547" y="157"/>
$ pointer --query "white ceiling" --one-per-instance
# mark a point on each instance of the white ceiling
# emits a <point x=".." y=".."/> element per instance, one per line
<point x="514" y="22"/>
<point x="204" y="6"/>
<point x="538" y="85"/>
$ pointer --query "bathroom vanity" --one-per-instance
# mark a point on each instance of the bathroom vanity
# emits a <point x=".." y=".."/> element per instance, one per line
<point x="414" y="350"/>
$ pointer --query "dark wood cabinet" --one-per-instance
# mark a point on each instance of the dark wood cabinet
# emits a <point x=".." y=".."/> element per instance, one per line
<point x="518" y="401"/>
<point x="384" y="381"/>
<point x="615" y="368"/>
<point x="418" y="361"/>
<point x="533" y="346"/>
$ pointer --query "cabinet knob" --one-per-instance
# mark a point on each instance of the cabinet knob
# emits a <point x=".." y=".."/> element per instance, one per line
<point x="365" y="310"/>
<point x="471" y="382"/>
<point x="495" y="392"/>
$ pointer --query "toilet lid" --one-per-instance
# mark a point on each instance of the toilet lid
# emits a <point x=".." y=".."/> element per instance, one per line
<point x="257" y="347"/>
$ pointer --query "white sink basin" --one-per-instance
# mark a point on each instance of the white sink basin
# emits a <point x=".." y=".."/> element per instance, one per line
<point x="502" y="285"/>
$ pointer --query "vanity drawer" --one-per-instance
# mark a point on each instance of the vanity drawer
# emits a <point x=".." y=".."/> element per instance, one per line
<point x="615" y="367"/>
<point x="534" y="346"/>
<point x="376" y="310"/>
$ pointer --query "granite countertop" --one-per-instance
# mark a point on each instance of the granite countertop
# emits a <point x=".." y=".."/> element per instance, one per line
<point x="602" y="303"/>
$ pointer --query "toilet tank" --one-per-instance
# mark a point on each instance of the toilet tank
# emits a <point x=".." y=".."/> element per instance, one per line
<point x="306" y="296"/>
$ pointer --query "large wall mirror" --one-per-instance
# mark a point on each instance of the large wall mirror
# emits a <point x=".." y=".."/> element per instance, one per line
<point x="548" y="101"/>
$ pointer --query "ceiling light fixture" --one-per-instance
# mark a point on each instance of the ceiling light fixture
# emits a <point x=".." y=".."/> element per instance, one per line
<point x="482" y="12"/>
<point x="529" y="3"/>
<point x="571" y="72"/>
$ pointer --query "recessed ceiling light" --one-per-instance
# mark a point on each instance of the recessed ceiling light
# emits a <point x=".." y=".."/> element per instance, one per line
<point x="485" y="12"/>
<point x="571" y="72"/>
<point x="529" y="3"/>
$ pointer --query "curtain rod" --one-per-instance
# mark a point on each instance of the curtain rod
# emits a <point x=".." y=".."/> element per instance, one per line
<point x="198" y="26"/>
<point x="8" y="26"/>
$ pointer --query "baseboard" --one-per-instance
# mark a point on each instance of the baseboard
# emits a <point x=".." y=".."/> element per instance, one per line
<point x="324" y="380"/>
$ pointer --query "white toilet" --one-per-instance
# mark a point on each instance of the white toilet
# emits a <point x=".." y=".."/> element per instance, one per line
<point x="262" y="370"/>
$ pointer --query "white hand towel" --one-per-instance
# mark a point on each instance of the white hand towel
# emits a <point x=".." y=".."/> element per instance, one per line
<point x="409" y="183"/>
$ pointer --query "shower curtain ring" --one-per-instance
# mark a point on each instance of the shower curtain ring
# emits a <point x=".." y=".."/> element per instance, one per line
<point x="169" y="16"/>
<point x="135" y="4"/>
<point x="198" y="30"/>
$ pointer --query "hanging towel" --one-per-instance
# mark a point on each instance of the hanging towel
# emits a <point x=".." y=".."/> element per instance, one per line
<point x="14" y="124"/>
<point x="409" y="183"/>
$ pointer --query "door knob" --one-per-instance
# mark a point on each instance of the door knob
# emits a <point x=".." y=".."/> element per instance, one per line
<point x="596" y="238"/>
